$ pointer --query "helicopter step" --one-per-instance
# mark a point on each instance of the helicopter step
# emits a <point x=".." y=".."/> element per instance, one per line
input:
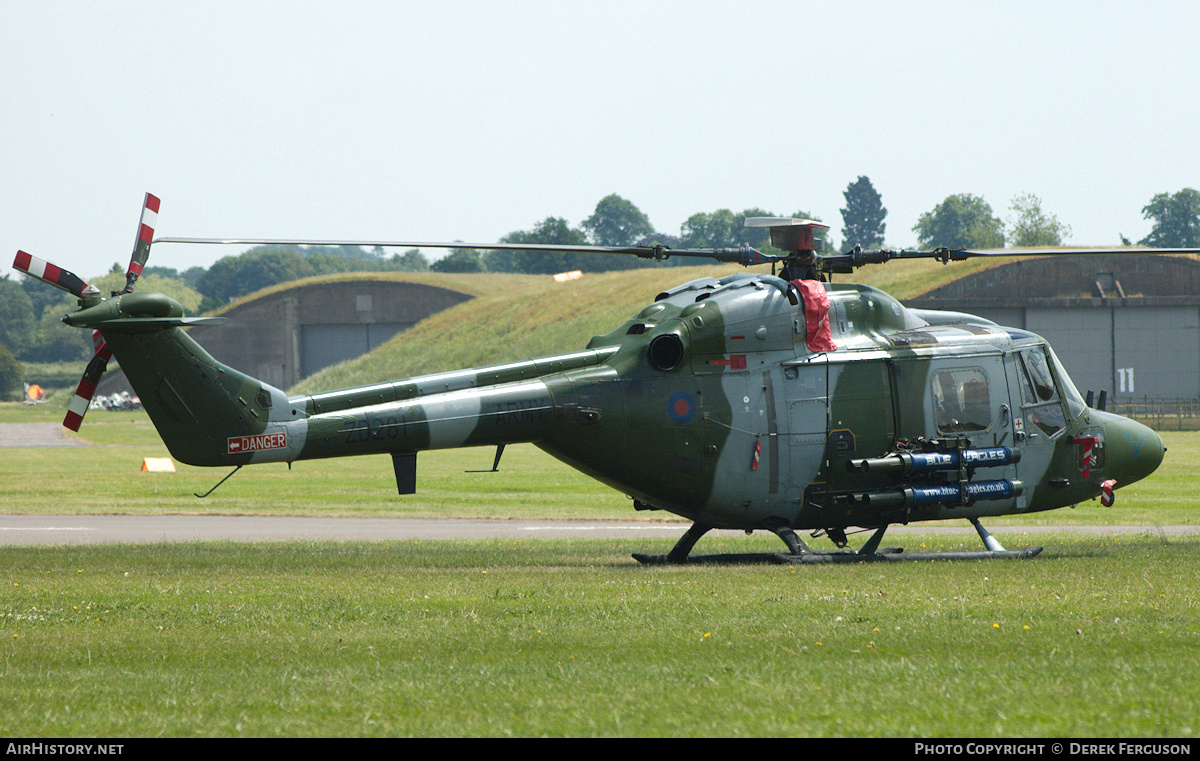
<point x="799" y="553"/>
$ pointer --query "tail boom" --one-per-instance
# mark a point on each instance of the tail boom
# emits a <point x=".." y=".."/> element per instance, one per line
<point x="209" y="414"/>
<point x="504" y="414"/>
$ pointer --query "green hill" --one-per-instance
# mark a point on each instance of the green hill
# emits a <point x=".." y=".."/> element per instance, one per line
<point x="522" y="316"/>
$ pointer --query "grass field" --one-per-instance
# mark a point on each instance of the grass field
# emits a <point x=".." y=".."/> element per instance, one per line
<point x="570" y="638"/>
<point x="1098" y="637"/>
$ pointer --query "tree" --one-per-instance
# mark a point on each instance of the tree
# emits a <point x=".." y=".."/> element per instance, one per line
<point x="11" y="374"/>
<point x="459" y="260"/>
<point x="755" y="237"/>
<point x="1176" y="220"/>
<point x="43" y="297"/>
<point x="725" y="229"/>
<point x="188" y="297"/>
<point x="18" y="328"/>
<point x="260" y="267"/>
<point x="961" y="221"/>
<point x="616" y="222"/>
<point x="1032" y="226"/>
<point x="863" y="216"/>
<point x="551" y="230"/>
<point x="57" y="342"/>
<point x="327" y="263"/>
<point x="192" y="275"/>
<point x="411" y="260"/>
<point x="720" y="229"/>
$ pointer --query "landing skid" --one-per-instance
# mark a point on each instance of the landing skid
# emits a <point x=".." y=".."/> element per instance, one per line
<point x="799" y="553"/>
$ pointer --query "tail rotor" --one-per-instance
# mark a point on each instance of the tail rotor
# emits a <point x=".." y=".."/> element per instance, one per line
<point x="71" y="283"/>
<point x="141" y="244"/>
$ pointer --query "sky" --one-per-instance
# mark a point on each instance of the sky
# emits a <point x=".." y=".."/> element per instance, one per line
<point x="464" y="121"/>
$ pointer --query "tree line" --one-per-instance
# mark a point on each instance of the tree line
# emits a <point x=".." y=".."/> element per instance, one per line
<point x="30" y="328"/>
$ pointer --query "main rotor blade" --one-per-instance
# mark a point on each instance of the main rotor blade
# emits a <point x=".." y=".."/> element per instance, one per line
<point x="957" y="254"/>
<point x="744" y="255"/>
<point x="852" y="260"/>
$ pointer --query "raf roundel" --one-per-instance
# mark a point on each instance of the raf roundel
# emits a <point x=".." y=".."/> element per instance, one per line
<point x="681" y="407"/>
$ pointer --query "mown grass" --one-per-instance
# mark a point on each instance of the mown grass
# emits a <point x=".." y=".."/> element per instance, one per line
<point x="571" y="638"/>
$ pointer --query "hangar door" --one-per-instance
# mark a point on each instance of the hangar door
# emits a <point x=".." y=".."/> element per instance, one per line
<point x="325" y="345"/>
<point x="1157" y="352"/>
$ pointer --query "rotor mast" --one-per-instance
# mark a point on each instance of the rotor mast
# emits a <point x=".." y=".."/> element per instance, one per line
<point x="802" y="239"/>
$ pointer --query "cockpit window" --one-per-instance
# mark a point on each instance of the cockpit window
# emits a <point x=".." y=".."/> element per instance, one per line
<point x="960" y="400"/>
<point x="1039" y="394"/>
<point x="1039" y="374"/>
<point x="1075" y="404"/>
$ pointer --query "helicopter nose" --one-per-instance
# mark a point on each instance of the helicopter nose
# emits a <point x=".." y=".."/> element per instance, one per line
<point x="1135" y="451"/>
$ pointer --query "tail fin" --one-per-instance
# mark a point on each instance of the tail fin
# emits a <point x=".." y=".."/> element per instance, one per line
<point x="200" y="407"/>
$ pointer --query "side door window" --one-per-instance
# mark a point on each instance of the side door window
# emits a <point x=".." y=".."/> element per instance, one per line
<point x="961" y="400"/>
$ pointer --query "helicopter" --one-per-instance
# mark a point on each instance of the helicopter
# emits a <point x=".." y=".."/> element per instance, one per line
<point x="753" y="401"/>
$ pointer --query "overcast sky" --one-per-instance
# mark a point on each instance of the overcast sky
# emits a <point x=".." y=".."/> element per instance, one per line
<point x="469" y="120"/>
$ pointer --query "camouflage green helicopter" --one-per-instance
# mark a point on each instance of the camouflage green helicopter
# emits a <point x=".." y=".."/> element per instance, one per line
<point x="752" y="401"/>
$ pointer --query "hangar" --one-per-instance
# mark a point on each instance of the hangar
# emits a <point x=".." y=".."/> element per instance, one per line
<point x="288" y="333"/>
<point x="291" y="333"/>
<point x="1128" y="325"/>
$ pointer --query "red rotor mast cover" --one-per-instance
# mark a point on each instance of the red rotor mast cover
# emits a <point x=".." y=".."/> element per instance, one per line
<point x="816" y="315"/>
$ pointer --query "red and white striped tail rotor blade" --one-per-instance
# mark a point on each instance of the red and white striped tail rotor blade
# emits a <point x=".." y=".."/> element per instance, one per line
<point x="52" y="274"/>
<point x="87" y="384"/>
<point x="141" y="244"/>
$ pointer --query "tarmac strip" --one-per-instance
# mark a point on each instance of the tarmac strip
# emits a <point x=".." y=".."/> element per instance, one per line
<point x="143" y="529"/>
<point x="25" y="435"/>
